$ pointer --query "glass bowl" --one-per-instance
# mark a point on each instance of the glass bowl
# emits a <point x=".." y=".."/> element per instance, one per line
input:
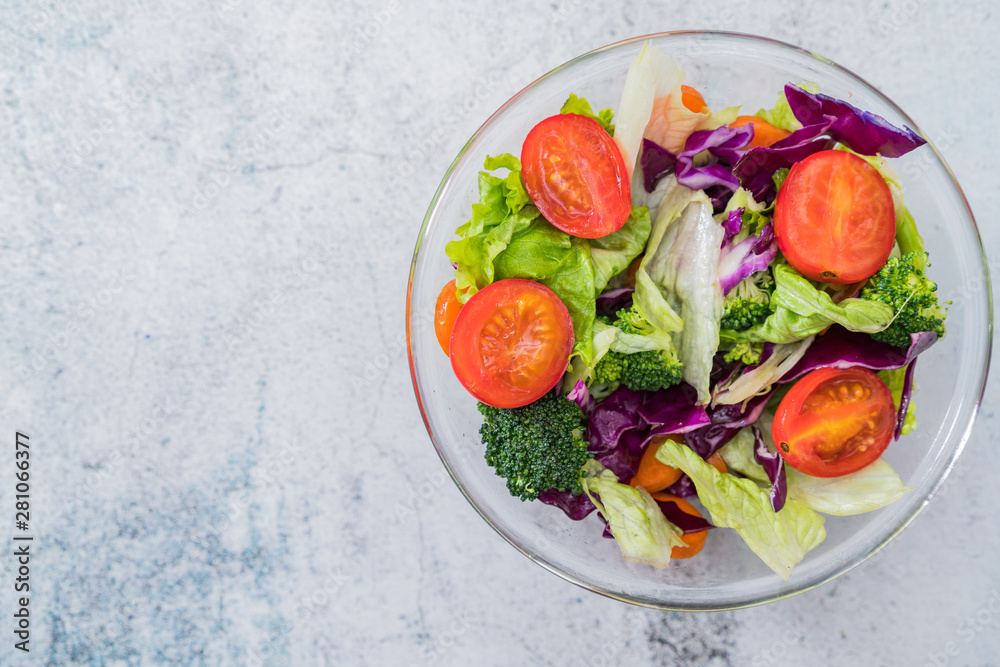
<point x="728" y="69"/>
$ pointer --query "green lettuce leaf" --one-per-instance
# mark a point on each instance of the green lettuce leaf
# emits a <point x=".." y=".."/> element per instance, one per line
<point x="515" y="194"/>
<point x="604" y="337"/>
<point x="801" y="310"/>
<point x="581" y="106"/>
<point x="475" y="254"/>
<point x="613" y="253"/>
<point x="907" y="235"/>
<point x="503" y="210"/>
<point x="868" y="489"/>
<point x="643" y="534"/>
<point x="498" y="197"/>
<point x="649" y="298"/>
<point x="682" y="263"/>
<point x="742" y="198"/>
<point x="894" y="379"/>
<point x="738" y="456"/>
<point x="781" y="539"/>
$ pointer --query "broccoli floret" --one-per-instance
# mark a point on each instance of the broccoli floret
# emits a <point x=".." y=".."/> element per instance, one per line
<point x="651" y="370"/>
<point x="536" y="447"/>
<point x="647" y="370"/>
<point x="747" y="353"/>
<point x="609" y="369"/>
<point x="749" y="303"/>
<point x="903" y="286"/>
<point x="741" y="314"/>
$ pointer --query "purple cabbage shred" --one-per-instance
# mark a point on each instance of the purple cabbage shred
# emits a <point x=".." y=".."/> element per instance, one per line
<point x="656" y="162"/>
<point x="840" y="348"/>
<point x="610" y="301"/>
<point x="688" y="523"/>
<point x="580" y="394"/>
<point x="774" y="466"/>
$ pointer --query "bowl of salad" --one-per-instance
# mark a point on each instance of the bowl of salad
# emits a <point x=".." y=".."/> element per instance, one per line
<point x="665" y="313"/>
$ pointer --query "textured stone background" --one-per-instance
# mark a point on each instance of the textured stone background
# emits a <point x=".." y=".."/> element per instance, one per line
<point x="205" y="248"/>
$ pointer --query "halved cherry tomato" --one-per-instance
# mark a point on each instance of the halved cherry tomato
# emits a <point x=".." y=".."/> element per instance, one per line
<point x="693" y="100"/>
<point x="445" y="312"/>
<point x="575" y="175"/>
<point x="834" y="218"/>
<point x="764" y="134"/>
<point x="834" y="421"/>
<point x="511" y="343"/>
<point x="695" y="541"/>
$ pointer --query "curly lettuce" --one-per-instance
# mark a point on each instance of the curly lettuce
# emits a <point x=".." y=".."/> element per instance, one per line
<point x="642" y="531"/>
<point x="781" y="539"/>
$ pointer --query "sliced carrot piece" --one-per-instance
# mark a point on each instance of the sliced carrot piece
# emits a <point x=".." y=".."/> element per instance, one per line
<point x="693" y="100"/>
<point x="653" y="475"/>
<point x="764" y="134"/>
<point x="694" y="541"/>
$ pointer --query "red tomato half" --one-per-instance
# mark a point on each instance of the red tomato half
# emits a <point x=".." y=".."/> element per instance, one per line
<point x="834" y="421"/>
<point x="511" y="343"/>
<point x="834" y="218"/>
<point x="575" y="175"/>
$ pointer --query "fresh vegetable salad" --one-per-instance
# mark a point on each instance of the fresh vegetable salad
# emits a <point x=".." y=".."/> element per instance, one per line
<point x="689" y="319"/>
